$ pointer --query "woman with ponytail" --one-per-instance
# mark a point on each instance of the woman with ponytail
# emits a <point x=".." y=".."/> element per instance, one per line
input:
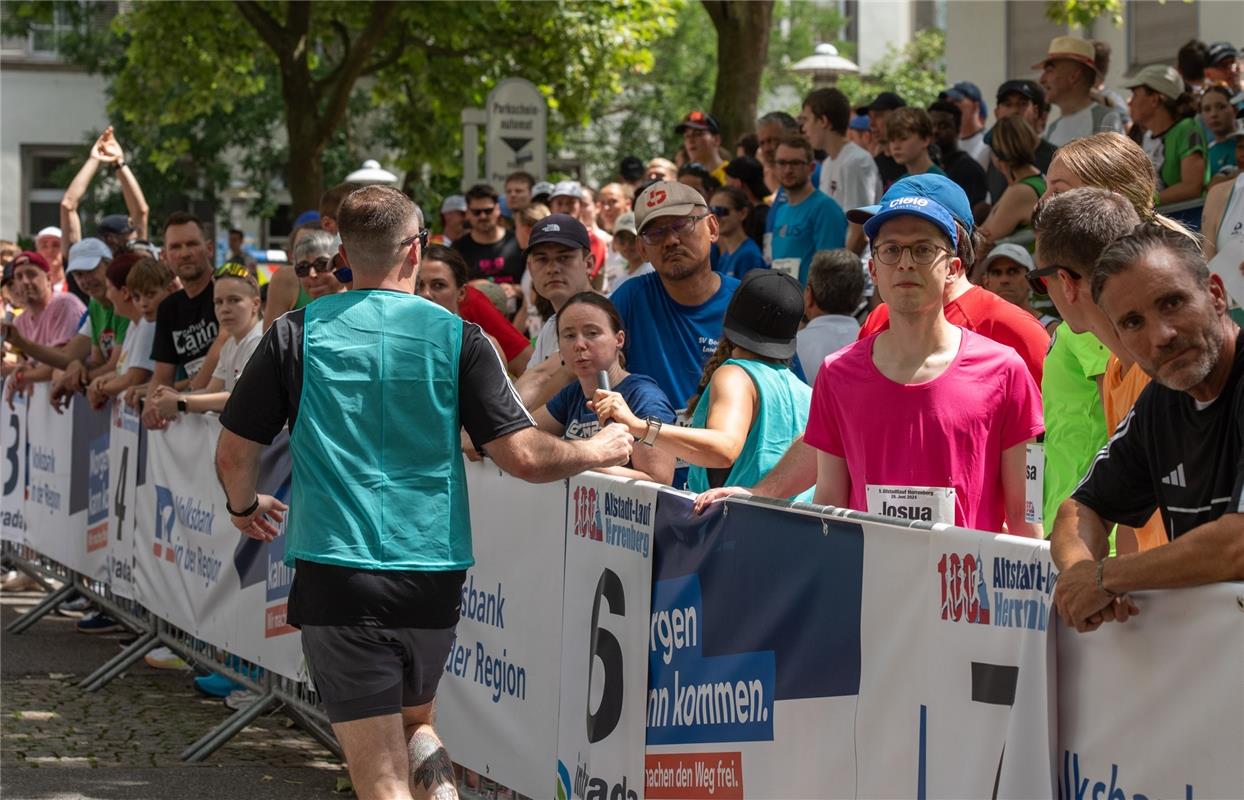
<point x="750" y="405"/>
<point x="1161" y="104"/>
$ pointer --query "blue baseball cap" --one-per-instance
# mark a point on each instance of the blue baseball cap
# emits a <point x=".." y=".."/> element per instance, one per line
<point x="966" y="90"/>
<point x="860" y="123"/>
<point x="915" y="206"/>
<point x="305" y="217"/>
<point x="946" y="192"/>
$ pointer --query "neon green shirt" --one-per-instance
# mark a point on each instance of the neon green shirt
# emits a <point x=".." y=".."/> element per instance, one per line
<point x="1075" y="421"/>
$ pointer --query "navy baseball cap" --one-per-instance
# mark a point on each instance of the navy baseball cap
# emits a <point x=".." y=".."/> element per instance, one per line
<point x="560" y="229"/>
<point x="115" y="224"/>
<point x="966" y="90"/>
<point x="915" y="206"/>
<point x="946" y="192"/>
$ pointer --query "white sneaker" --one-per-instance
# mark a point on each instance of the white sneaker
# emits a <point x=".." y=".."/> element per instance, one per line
<point x="239" y="699"/>
<point x="164" y="658"/>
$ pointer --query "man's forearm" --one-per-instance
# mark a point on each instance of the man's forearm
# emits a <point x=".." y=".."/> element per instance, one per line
<point x="1209" y="553"/>
<point x="1079" y="534"/>
<point x="76" y="349"/>
<point x="538" y="457"/>
<point x="795" y="473"/>
<point x="237" y="468"/>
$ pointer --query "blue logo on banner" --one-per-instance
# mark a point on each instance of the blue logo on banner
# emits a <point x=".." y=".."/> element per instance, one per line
<point x="97" y="481"/>
<point x="166" y="514"/>
<point x="764" y="590"/>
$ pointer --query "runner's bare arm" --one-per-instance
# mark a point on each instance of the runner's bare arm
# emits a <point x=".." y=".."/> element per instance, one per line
<point x="535" y="456"/>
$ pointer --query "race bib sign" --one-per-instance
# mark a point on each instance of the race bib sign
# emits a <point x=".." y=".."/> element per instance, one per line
<point x="1034" y="483"/>
<point x="915" y="503"/>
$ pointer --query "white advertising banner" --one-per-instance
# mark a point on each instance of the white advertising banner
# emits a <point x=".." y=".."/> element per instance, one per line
<point x="605" y="631"/>
<point x="127" y="466"/>
<point x="986" y="726"/>
<point x="13" y="526"/>
<point x="497" y="701"/>
<point x="193" y="568"/>
<point x="52" y="527"/>
<point x="1154" y="707"/>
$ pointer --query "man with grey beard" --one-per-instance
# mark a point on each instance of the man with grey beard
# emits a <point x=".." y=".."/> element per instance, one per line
<point x="1180" y="450"/>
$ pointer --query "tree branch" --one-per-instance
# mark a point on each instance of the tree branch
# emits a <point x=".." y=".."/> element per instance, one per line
<point x="343" y="33"/>
<point x="268" y="28"/>
<point x="352" y="67"/>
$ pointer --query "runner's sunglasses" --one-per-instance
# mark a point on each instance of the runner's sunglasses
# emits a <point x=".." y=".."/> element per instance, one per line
<point x="1037" y="277"/>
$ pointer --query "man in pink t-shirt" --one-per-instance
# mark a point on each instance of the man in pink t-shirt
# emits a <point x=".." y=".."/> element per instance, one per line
<point x="925" y="420"/>
<point x="50" y="318"/>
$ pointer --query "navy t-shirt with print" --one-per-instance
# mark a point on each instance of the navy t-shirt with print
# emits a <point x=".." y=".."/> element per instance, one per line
<point x="641" y="393"/>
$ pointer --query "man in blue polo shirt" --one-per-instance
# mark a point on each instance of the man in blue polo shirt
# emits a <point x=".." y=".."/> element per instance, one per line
<point x="673" y="316"/>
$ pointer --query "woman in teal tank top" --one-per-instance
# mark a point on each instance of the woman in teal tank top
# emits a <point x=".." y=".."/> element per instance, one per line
<point x="1014" y="145"/>
<point x="751" y="406"/>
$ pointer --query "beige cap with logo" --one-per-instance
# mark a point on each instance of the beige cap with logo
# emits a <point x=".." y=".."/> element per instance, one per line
<point x="666" y="199"/>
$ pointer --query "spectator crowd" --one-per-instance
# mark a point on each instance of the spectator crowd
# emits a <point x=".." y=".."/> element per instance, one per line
<point x="873" y="305"/>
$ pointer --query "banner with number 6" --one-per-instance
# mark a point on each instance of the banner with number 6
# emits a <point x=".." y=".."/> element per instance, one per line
<point x="605" y="618"/>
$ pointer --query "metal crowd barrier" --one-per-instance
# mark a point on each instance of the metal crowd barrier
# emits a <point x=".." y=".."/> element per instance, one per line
<point x="296" y="699"/>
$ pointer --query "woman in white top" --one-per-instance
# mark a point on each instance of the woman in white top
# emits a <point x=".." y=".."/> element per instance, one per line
<point x="237" y="310"/>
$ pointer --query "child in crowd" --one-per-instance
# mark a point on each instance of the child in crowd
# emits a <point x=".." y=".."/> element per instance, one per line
<point x="237" y="310"/>
<point x="910" y="132"/>
<point x="136" y="285"/>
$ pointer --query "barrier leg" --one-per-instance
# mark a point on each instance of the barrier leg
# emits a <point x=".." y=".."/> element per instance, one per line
<point x="121" y="662"/>
<point x="318" y="732"/>
<point x="214" y="739"/>
<point x="45" y="607"/>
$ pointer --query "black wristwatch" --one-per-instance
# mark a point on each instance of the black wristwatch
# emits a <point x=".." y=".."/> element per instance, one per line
<point x="181" y="405"/>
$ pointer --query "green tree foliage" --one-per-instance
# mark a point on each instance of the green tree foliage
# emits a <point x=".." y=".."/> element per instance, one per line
<point x="305" y="90"/>
<point x="1083" y="13"/>
<point x="917" y="72"/>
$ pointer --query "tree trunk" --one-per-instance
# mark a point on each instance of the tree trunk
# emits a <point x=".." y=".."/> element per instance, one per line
<point x="742" y="47"/>
<point x="304" y="172"/>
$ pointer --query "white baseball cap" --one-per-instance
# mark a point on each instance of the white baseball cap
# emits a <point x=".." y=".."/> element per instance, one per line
<point x="50" y="230"/>
<point x="567" y="189"/>
<point x="86" y="255"/>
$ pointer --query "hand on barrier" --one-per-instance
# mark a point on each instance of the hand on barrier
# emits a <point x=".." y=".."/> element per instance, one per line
<point x="95" y="393"/>
<point x="16" y="385"/>
<point x="134" y="396"/>
<point x="165" y="399"/>
<point x="152" y="418"/>
<point x="1083" y="605"/>
<point x="610" y="407"/>
<point x="67" y="384"/>
<point x="704" y="499"/>
<point x="263" y="522"/>
<point x="614" y="444"/>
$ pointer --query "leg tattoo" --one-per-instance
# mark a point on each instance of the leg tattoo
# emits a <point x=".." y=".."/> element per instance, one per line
<point x="431" y="771"/>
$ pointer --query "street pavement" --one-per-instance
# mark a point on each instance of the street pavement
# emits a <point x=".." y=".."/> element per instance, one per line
<point x="124" y="740"/>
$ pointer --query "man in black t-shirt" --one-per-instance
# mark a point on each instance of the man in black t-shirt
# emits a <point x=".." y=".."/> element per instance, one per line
<point x="957" y="164"/>
<point x="1180" y="450"/>
<point x="491" y="252"/>
<point x="186" y="327"/>
<point x="887" y="168"/>
<point x="374" y="384"/>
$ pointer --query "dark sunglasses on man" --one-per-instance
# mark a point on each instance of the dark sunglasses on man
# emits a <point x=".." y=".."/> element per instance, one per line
<point x="1038" y="278"/>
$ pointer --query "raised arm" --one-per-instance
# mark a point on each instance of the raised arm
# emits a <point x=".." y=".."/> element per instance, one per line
<point x="135" y="203"/>
<point x="70" y="222"/>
